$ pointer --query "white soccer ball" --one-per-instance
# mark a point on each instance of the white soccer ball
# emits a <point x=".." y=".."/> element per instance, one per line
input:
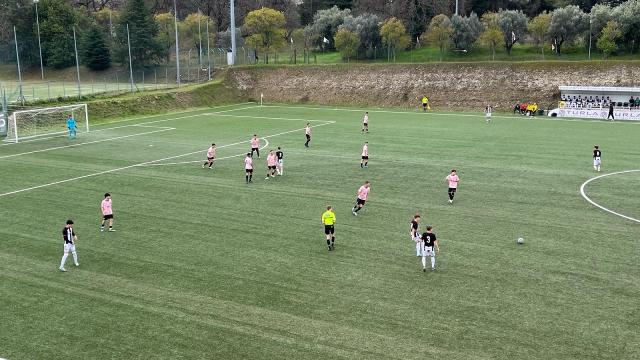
<point x="520" y="240"/>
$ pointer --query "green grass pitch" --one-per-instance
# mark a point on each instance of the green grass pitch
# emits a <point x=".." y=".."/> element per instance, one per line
<point x="204" y="266"/>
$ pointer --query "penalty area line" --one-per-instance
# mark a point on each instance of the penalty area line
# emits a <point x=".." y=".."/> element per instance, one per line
<point x="584" y="195"/>
<point x="142" y="164"/>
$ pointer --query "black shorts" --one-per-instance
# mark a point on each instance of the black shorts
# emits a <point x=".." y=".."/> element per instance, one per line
<point x="249" y="171"/>
<point x="328" y="229"/>
<point x="255" y="149"/>
<point x="365" y="124"/>
<point x="424" y="105"/>
<point x="308" y="136"/>
<point x="271" y="167"/>
<point x="365" y="158"/>
<point x="360" y="201"/>
<point x="107" y="217"/>
<point x="452" y="190"/>
<point x="210" y="158"/>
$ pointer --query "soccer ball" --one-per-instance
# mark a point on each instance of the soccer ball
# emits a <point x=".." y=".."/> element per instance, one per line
<point x="520" y="240"/>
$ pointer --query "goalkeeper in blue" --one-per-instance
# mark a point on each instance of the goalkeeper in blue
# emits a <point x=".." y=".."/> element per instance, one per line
<point x="73" y="128"/>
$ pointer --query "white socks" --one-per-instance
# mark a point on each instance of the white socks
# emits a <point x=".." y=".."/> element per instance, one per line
<point x="424" y="262"/>
<point x="418" y="252"/>
<point x="75" y="258"/>
<point x="64" y="259"/>
<point x="433" y="262"/>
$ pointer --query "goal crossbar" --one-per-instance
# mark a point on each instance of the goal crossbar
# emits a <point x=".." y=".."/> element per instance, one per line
<point x="45" y="121"/>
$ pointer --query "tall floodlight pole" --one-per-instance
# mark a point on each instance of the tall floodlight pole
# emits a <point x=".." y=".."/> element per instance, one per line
<point x="199" y="40"/>
<point x="456" y="7"/>
<point x="15" y="37"/>
<point x="590" y="22"/>
<point x="130" y="62"/>
<point x="233" y="31"/>
<point x="39" y="43"/>
<point x="75" y="47"/>
<point x="175" y="25"/>
<point x="208" y="53"/>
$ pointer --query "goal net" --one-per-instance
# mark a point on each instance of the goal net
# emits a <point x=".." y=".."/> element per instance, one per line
<point x="35" y="123"/>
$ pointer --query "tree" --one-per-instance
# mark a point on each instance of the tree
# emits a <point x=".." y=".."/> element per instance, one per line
<point x="466" y="30"/>
<point x="96" y="51"/>
<point x="439" y="33"/>
<point x="145" y="49"/>
<point x="366" y="26"/>
<point x="326" y="22"/>
<point x="166" y="37"/>
<point x="394" y="35"/>
<point x="193" y="31"/>
<point x="626" y="14"/>
<point x="539" y="29"/>
<point x="513" y="24"/>
<point x="607" y="40"/>
<point x="57" y="20"/>
<point x="491" y="38"/>
<point x="600" y="16"/>
<point x="265" y="30"/>
<point x="347" y="43"/>
<point x="566" y="24"/>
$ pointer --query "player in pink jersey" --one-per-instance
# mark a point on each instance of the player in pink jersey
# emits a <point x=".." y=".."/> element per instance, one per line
<point x="365" y="155"/>
<point x="363" y="194"/>
<point x="365" y="122"/>
<point x="307" y="134"/>
<point x="453" y="184"/>
<point x="271" y="164"/>
<point x="255" y="145"/>
<point x="211" y="155"/>
<point x="248" y="168"/>
<point x="107" y="212"/>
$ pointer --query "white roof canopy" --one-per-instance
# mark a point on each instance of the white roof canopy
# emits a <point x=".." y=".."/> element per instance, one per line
<point x="605" y="90"/>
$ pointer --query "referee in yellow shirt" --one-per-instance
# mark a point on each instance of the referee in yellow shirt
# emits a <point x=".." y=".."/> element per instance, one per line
<point x="329" y="220"/>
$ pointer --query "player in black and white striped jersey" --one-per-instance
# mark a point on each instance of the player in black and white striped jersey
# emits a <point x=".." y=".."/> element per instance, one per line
<point x="70" y="238"/>
<point x="596" y="158"/>
<point x="487" y="113"/>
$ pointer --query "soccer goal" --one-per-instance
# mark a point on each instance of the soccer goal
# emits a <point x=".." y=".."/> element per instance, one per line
<point x="35" y="123"/>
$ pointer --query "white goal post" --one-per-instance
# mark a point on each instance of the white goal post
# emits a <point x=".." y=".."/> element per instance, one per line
<point x="34" y="123"/>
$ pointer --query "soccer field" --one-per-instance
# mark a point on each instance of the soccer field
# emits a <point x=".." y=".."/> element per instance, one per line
<point x="205" y="266"/>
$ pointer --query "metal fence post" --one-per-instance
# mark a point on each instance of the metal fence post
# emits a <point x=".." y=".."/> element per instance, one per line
<point x="49" y="90"/>
<point x="64" y="90"/>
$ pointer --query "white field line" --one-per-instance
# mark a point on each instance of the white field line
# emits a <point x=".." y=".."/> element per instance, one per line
<point x="87" y="143"/>
<point x="144" y="124"/>
<point x="584" y="195"/>
<point x="199" y="161"/>
<point x="142" y="164"/>
<point x="545" y="118"/>
<point x="272" y="118"/>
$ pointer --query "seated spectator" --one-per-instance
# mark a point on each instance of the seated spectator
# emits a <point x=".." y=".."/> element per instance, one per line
<point x="637" y="102"/>
<point x="563" y="98"/>
<point x="516" y="108"/>
<point x="632" y="102"/>
<point x="523" y="108"/>
<point x="535" y="108"/>
<point x="530" y="110"/>
<point x="591" y="101"/>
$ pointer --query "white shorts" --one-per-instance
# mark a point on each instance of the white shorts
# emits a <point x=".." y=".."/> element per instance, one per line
<point x="488" y="115"/>
<point x="596" y="161"/>
<point x="69" y="247"/>
<point x="428" y="251"/>
<point x="281" y="162"/>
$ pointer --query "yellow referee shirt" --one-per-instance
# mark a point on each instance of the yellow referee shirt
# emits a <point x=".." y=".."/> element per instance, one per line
<point x="328" y="218"/>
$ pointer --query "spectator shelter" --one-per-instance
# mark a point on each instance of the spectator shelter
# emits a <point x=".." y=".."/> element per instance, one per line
<point x="593" y="102"/>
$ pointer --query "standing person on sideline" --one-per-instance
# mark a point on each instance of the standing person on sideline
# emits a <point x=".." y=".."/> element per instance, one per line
<point x="307" y="134"/>
<point x="487" y="113"/>
<point x="425" y="104"/>
<point x="365" y="155"/>
<point x="329" y="221"/>
<point x="365" y="122"/>
<point x="107" y="212"/>
<point x="280" y="164"/>
<point x="596" y="158"/>
<point x="428" y="241"/>
<point x="70" y="238"/>
<point x="271" y="165"/>
<point x="248" y="168"/>
<point x="72" y="127"/>
<point x="453" y="184"/>
<point x="611" y="112"/>
<point x="415" y="234"/>
<point x="211" y="155"/>
<point x="255" y="145"/>
<point x="361" y="199"/>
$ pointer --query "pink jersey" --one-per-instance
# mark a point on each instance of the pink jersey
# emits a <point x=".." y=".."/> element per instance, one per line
<point x="453" y="181"/>
<point x="211" y="152"/>
<point x="365" y="120"/>
<point x="365" y="150"/>
<point x="363" y="192"/>
<point x="255" y="143"/>
<point x="248" y="163"/>
<point x="307" y="130"/>
<point x="106" y="207"/>
<point x="271" y="160"/>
